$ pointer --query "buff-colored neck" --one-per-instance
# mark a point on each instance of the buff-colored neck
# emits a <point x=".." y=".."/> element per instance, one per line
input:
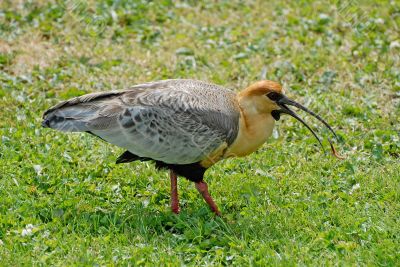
<point x="255" y="127"/>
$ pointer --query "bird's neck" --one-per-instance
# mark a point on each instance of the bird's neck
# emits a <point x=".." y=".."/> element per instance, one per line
<point x="255" y="127"/>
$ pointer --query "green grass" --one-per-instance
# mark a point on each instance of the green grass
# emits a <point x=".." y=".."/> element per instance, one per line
<point x="63" y="201"/>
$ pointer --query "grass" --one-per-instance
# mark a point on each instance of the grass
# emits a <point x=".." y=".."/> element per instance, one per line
<point x="63" y="201"/>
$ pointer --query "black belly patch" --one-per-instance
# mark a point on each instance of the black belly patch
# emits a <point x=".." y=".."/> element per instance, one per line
<point x="193" y="171"/>
<point x="129" y="157"/>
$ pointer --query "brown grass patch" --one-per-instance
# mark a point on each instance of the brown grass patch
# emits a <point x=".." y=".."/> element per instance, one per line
<point x="31" y="50"/>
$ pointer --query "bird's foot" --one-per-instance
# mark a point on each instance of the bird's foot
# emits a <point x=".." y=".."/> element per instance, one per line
<point x="175" y="208"/>
<point x="203" y="190"/>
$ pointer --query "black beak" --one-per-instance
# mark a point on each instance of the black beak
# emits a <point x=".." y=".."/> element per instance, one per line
<point x="286" y="110"/>
<point x="283" y="101"/>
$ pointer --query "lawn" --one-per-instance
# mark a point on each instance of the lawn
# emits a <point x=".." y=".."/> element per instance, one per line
<point x="64" y="201"/>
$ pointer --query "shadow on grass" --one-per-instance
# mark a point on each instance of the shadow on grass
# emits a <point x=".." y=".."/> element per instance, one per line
<point x="148" y="222"/>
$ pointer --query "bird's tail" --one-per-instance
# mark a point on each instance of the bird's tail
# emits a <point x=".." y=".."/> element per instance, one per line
<point x="66" y="119"/>
<point x="74" y="115"/>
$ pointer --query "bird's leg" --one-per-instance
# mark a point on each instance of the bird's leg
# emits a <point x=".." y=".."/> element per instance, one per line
<point x="203" y="190"/>
<point x="174" y="193"/>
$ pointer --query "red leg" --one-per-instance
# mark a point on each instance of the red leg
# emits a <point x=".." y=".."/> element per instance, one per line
<point x="203" y="190"/>
<point x="174" y="192"/>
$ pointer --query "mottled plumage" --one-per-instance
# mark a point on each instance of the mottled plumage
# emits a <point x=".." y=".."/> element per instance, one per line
<point x="172" y="121"/>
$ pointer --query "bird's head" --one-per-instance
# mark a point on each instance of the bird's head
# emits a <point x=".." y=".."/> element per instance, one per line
<point x="267" y="97"/>
<point x="255" y="97"/>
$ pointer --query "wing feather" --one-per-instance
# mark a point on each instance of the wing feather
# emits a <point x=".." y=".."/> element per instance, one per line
<point x="163" y="134"/>
<point x="174" y="121"/>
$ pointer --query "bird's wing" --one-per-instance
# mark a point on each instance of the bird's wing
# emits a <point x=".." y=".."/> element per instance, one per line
<point x="174" y="121"/>
<point x="162" y="134"/>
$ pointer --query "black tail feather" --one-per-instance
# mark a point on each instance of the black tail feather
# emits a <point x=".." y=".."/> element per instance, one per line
<point x="193" y="171"/>
<point x="129" y="157"/>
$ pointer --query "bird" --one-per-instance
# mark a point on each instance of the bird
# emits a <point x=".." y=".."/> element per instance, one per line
<point x="184" y="126"/>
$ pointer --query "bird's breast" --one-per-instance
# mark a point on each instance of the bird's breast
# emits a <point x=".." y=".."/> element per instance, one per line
<point x="253" y="132"/>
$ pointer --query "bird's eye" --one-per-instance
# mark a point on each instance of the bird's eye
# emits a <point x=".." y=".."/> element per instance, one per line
<point x="274" y="96"/>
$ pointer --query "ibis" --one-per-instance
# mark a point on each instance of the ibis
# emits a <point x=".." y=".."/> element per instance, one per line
<point x="182" y="125"/>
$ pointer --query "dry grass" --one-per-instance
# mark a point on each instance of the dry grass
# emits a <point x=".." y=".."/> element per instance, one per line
<point x="31" y="50"/>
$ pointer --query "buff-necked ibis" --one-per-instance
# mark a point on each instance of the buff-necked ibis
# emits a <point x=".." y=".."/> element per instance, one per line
<point x="185" y="126"/>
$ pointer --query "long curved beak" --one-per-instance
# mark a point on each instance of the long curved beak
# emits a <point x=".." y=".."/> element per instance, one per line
<point x="283" y="101"/>
<point x="286" y="101"/>
<point x="286" y="110"/>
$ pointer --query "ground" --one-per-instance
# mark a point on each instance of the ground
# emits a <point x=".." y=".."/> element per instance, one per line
<point x="64" y="201"/>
